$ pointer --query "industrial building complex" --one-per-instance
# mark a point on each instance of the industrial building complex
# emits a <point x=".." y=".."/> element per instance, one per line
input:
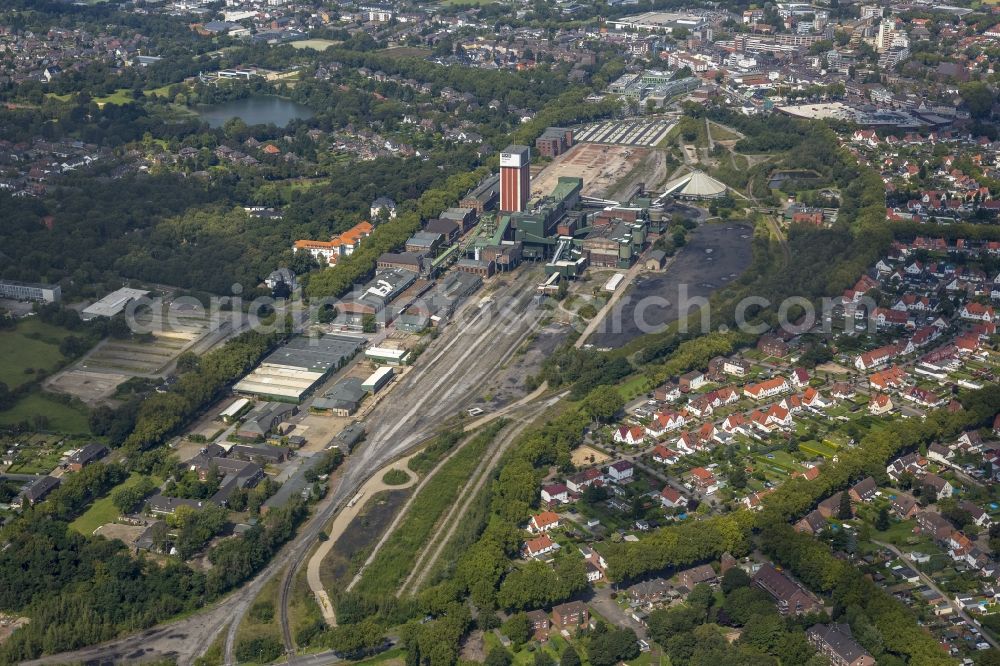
<point x="289" y="373"/>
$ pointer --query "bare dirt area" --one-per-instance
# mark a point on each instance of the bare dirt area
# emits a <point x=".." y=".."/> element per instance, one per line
<point x="651" y="171"/>
<point x="474" y="647"/>
<point x="833" y="369"/>
<point x="715" y="255"/>
<point x="94" y="378"/>
<point x="600" y="166"/>
<point x="9" y="624"/>
<point x="508" y="385"/>
<point x="360" y="536"/>
<point x="583" y="456"/>
<point x="93" y="388"/>
<point x="127" y="534"/>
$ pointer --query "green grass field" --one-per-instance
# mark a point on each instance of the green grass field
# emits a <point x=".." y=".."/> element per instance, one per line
<point x="634" y="387"/>
<point x="818" y="448"/>
<point x="33" y="344"/>
<point x="162" y="91"/>
<point x="315" y="44"/>
<point x="62" y="418"/>
<point x="721" y="133"/>
<point x="119" y="97"/>
<point x="103" y="510"/>
<point x="394" y="560"/>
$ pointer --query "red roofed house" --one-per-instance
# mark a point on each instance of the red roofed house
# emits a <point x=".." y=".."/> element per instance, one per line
<point x="703" y="479"/>
<point x="977" y="312"/>
<point x="671" y="498"/>
<point x="664" y="422"/>
<point x="665" y="456"/>
<point x="893" y="378"/>
<point x="543" y="545"/>
<point x="876" y="357"/>
<point x="766" y="389"/>
<point x="809" y="473"/>
<point x="584" y="479"/>
<point x="880" y="404"/>
<point x="634" y="435"/>
<point x="543" y="522"/>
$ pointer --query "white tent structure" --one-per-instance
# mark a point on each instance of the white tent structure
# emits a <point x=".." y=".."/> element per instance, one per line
<point x="695" y="185"/>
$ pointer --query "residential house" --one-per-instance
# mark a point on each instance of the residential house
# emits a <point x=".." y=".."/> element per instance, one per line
<point x="880" y="404"/>
<point x="543" y="522"/>
<point x="670" y="498"/>
<point x="934" y="525"/>
<point x="571" y="615"/>
<point x="790" y="597"/>
<point x="939" y="453"/>
<point x="814" y="399"/>
<point x="664" y="422"/>
<point x="649" y="591"/>
<point x="877" y="357"/>
<point x="630" y="435"/>
<point x="890" y="379"/>
<point x="904" y="506"/>
<point x="703" y="573"/>
<point x="555" y="493"/>
<point x="830" y="507"/>
<point x="621" y="471"/>
<point x="86" y="455"/>
<point x="584" y="479"/>
<point x="766" y="389"/>
<point x="538" y="620"/>
<point x="812" y="523"/>
<point x="735" y="423"/>
<point x="842" y="391"/>
<point x="911" y="463"/>
<point x="665" y="456"/>
<point x="977" y="312"/>
<point x="704" y="480"/>
<point x="667" y="393"/>
<point x="864" y="490"/>
<point x="979" y="515"/>
<point x="772" y="345"/>
<point x="922" y="397"/>
<point x="692" y="381"/>
<point x="538" y="547"/>
<point x="941" y="487"/>
<point x="36" y="491"/>
<point x="837" y="644"/>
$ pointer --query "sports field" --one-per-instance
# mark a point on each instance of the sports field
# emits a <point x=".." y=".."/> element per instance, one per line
<point x="314" y="44"/>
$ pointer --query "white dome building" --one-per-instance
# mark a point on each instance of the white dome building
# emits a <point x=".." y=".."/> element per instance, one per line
<point x="696" y="185"/>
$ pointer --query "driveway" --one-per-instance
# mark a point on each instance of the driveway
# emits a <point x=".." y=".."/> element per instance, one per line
<point x="607" y="608"/>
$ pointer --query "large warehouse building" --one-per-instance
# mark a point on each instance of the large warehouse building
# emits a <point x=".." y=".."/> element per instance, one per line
<point x="290" y="372"/>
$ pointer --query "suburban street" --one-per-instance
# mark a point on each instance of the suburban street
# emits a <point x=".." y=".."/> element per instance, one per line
<point x="929" y="582"/>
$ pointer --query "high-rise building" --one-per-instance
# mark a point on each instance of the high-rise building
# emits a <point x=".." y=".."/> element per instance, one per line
<point x="515" y="178"/>
<point x="889" y="36"/>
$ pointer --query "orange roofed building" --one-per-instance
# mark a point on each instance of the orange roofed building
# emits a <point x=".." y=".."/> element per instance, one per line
<point x="338" y="246"/>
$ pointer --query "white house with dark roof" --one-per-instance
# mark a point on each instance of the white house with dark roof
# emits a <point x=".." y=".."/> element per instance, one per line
<point x="621" y="471"/>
